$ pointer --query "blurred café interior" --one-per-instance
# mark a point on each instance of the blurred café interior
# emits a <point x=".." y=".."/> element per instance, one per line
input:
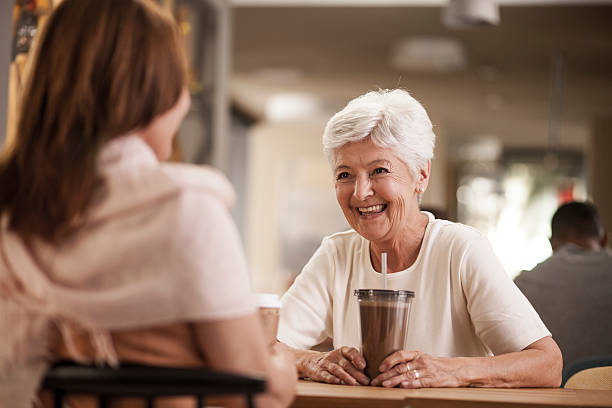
<point x="520" y="95"/>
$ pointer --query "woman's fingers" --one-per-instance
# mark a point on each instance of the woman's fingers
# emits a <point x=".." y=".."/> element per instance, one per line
<point x="340" y="373"/>
<point x="354" y="356"/>
<point x="396" y="380"/>
<point x="353" y="363"/>
<point x="327" y="377"/>
<point x="404" y="368"/>
<point x="358" y="375"/>
<point x="415" y="383"/>
<point x="395" y="371"/>
<point x="410" y="379"/>
<point x="337" y="367"/>
<point x="396" y="358"/>
<point x="413" y="369"/>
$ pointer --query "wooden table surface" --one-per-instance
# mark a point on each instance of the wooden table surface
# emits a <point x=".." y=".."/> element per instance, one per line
<point x="311" y="394"/>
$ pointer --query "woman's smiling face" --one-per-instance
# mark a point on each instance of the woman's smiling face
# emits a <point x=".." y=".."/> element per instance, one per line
<point x="375" y="189"/>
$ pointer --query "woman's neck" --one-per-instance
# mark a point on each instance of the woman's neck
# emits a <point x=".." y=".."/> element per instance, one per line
<point x="403" y="248"/>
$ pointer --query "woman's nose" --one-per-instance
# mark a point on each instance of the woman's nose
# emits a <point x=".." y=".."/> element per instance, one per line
<point x="363" y="188"/>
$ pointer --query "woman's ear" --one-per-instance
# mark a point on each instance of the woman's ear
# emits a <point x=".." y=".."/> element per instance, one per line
<point x="423" y="177"/>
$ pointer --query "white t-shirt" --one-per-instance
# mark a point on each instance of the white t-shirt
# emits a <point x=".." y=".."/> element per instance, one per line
<point x="465" y="304"/>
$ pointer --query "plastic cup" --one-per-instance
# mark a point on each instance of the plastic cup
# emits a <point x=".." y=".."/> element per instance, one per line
<point x="268" y="309"/>
<point x="383" y="318"/>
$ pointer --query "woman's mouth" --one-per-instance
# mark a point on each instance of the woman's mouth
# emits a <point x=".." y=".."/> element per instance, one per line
<point x="372" y="210"/>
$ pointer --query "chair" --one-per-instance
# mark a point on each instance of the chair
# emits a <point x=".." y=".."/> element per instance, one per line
<point x="594" y="373"/>
<point x="147" y="382"/>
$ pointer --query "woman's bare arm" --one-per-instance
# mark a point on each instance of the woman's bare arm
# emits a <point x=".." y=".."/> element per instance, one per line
<point x="538" y="365"/>
<point x="237" y="345"/>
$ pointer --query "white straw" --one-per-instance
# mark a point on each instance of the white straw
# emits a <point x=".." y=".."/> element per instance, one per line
<point x="384" y="269"/>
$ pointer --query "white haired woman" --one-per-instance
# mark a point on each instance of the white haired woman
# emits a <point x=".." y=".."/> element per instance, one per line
<point x="470" y="325"/>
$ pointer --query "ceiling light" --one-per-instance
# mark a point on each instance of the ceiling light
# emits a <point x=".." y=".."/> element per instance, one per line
<point x="292" y="106"/>
<point x="471" y="13"/>
<point x="483" y="148"/>
<point x="428" y="54"/>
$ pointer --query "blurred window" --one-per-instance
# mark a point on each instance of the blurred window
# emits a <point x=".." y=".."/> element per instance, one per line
<point x="513" y="198"/>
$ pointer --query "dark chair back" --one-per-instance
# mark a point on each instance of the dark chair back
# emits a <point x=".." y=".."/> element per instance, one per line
<point x="147" y="382"/>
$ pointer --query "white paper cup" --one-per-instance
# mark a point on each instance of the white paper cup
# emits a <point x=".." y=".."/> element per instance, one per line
<point x="268" y="309"/>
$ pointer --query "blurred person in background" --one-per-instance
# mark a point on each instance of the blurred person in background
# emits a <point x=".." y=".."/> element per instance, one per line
<point x="469" y="324"/>
<point x="108" y="254"/>
<point x="572" y="290"/>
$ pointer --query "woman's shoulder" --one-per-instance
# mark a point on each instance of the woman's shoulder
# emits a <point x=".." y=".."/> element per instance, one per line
<point x="346" y="238"/>
<point x="199" y="198"/>
<point x="160" y="186"/>
<point x="343" y="244"/>
<point x="196" y="179"/>
<point x="133" y="176"/>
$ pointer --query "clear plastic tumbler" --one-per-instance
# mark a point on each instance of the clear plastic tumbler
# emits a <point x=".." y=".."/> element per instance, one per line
<point x="384" y="317"/>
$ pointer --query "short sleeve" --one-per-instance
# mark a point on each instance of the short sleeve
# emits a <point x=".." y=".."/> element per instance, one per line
<point x="306" y="310"/>
<point x="503" y="318"/>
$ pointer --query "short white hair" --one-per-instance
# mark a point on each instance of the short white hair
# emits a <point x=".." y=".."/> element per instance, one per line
<point x="391" y="118"/>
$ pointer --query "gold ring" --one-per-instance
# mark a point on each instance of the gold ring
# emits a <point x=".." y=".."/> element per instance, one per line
<point x="416" y="374"/>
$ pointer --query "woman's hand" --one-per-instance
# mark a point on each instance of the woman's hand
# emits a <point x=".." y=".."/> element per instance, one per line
<point x="413" y="369"/>
<point x="283" y="365"/>
<point x="341" y="366"/>
<point x="537" y="365"/>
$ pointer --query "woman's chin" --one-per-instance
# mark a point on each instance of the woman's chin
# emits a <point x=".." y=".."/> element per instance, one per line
<point x="371" y="234"/>
<point x="371" y="227"/>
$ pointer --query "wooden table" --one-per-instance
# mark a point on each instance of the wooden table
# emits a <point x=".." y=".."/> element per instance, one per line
<point x="312" y="394"/>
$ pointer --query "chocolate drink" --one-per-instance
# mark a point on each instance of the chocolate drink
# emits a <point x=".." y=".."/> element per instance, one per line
<point x="384" y="316"/>
<point x="383" y="331"/>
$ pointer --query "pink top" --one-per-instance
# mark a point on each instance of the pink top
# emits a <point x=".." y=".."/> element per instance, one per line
<point x="158" y="247"/>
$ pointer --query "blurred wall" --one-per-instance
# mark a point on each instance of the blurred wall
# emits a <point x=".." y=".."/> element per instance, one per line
<point x="601" y="168"/>
<point x="436" y="194"/>
<point x="287" y="179"/>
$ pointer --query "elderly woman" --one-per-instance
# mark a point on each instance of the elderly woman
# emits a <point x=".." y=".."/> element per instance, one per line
<point x="470" y="325"/>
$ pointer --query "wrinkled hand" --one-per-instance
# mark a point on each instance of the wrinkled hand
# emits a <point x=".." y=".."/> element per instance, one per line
<point x="341" y="366"/>
<point x="413" y="369"/>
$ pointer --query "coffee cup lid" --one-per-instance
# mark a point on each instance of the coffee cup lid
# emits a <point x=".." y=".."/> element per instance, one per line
<point x="267" y="300"/>
<point x="383" y="294"/>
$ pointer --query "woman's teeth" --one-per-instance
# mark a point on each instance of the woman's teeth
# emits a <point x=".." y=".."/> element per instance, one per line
<point x="371" y="209"/>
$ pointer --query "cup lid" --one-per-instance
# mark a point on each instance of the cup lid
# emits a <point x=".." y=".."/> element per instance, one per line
<point x="267" y="300"/>
<point x="383" y="294"/>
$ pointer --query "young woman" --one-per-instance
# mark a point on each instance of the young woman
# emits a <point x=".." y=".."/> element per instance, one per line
<point x="106" y="252"/>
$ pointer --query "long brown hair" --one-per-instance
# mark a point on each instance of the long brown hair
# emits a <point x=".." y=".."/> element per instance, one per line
<point x="101" y="69"/>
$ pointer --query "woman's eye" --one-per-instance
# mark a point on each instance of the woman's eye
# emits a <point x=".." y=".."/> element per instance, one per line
<point x="342" y="175"/>
<point x="380" y="170"/>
